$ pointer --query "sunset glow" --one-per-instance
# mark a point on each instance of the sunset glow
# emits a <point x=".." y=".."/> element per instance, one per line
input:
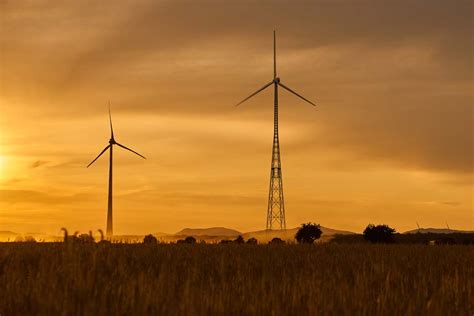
<point x="2" y="165"/>
<point x="391" y="140"/>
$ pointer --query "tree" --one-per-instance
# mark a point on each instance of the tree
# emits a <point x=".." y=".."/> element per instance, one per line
<point x="252" y="241"/>
<point x="308" y="233"/>
<point x="239" y="240"/>
<point x="150" y="240"/>
<point x="190" y="240"/>
<point x="379" y="233"/>
<point x="276" y="241"/>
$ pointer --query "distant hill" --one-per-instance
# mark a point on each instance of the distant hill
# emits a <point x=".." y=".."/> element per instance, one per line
<point x="289" y="234"/>
<point x="161" y="234"/>
<point x="212" y="234"/>
<point x="7" y="233"/>
<point x="438" y="231"/>
<point x="213" y="231"/>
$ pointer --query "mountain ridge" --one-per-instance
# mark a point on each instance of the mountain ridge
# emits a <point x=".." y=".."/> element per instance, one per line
<point x="211" y="231"/>
<point x="217" y="233"/>
<point x="438" y="231"/>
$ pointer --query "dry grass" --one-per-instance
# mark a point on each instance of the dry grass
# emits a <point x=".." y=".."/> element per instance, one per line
<point x="136" y="279"/>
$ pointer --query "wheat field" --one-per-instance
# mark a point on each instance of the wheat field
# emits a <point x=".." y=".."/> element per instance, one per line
<point x="235" y="279"/>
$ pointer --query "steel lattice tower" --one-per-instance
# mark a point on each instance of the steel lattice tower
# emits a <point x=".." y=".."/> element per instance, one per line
<point x="276" y="201"/>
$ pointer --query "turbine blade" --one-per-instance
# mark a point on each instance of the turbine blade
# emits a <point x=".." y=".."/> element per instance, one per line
<point x="298" y="95"/>
<point x="274" y="56"/>
<point x="98" y="155"/>
<point x="130" y="150"/>
<point x="261" y="89"/>
<point x="110" y="120"/>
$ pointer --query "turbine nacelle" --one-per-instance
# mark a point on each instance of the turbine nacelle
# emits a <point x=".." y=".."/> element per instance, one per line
<point x="277" y="82"/>
<point x="113" y="142"/>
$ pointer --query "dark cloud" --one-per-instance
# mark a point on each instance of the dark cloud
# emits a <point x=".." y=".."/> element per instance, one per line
<point x="436" y="136"/>
<point x="393" y="78"/>
<point x="89" y="42"/>
<point x="38" y="163"/>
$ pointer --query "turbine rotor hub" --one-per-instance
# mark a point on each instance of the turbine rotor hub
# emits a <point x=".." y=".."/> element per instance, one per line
<point x="276" y="80"/>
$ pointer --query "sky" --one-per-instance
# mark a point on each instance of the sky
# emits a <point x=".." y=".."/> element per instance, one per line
<point x="390" y="141"/>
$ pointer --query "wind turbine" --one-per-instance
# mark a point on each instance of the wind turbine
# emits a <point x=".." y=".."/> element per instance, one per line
<point x="112" y="142"/>
<point x="276" y="204"/>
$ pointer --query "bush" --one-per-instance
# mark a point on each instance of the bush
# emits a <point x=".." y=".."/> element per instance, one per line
<point x="252" y="240"/>
<point x="308" y="233"/>
<point x="85" y="238"/>
<point x="239" y="240"/>
<point x="379" y="233"/>
<point x="150" y="240"/>
<point x="190" y="240"/>
<point x="30" y="239"/>
<point x="276" y="241"/>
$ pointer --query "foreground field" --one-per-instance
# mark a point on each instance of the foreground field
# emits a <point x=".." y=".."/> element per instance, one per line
<point x="135" y="279"/>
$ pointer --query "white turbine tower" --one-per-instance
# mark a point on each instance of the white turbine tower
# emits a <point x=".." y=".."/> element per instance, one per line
<point x="109" y="147"/>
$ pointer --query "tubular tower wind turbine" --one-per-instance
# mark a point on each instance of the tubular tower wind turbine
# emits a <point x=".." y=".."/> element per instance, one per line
<point x="276" y="203"/>
<point x="112" y="142"/>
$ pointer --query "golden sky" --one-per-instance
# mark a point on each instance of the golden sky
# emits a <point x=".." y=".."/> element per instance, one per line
<point x="391" y="140"/>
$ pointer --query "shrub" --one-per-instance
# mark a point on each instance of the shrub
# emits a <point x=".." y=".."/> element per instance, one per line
<point x="150" y="240"/>
<point x="85" y="238"/>
<point x="252" y="240"/>
<point x="276" y="240"/>
<point x="29" y="239"/>
<point x="190" y="240"/>
<point x="308" y="233"/>
<point x="379" y="233"/>
<point x="239" y="240"/>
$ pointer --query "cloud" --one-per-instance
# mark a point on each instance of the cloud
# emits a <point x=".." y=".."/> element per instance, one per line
<point x="19" y="197"/>
<point x="392" y="81"/>
<point x="186" y="198"/>
<point x="38" y="163"/>
<point x="451" y="203"/>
